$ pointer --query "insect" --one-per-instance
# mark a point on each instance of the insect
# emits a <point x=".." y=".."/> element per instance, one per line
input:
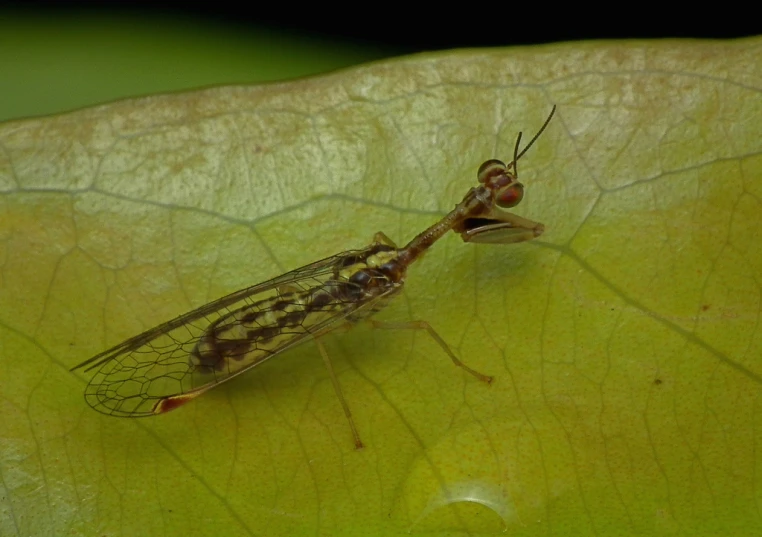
<point x="175" y="362"/>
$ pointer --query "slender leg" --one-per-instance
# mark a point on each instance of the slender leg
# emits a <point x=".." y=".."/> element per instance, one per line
<point x="327" y="361"/>
<point x="423" y="325"/>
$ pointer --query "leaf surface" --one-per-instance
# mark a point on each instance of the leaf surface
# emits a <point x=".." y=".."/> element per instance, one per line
<point x="625" y="342"/>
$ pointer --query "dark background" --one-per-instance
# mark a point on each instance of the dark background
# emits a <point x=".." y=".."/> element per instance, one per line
<point x="401" y="29"/>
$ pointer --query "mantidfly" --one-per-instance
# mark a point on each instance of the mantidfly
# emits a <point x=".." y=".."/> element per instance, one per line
<point x="175" y="362"/>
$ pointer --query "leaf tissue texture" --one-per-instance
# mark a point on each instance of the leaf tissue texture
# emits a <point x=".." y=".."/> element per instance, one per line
<point x="626" y="342"/>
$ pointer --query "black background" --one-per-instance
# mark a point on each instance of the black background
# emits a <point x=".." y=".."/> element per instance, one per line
<point x="408" y="28"/>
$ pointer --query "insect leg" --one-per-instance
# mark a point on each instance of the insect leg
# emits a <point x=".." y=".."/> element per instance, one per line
<point x="500" y="228"/>
<point x="337" y="388"/>
<point x="423" y="325"/>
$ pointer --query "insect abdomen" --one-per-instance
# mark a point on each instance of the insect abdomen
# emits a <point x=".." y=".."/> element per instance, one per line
<point x="265" y="326"/>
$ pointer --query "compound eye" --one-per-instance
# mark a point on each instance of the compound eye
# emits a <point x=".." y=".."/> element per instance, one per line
<point x="511" y="196"/>
<point x="490" y="169"/>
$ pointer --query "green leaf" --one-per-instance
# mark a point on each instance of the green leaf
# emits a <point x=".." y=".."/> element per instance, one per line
<point x="625" y="342"/>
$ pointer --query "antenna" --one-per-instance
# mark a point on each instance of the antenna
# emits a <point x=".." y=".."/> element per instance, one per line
<point x="516" y="156"/>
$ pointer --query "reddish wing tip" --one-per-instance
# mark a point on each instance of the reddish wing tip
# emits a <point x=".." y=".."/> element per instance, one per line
<point x="170" y="403"/>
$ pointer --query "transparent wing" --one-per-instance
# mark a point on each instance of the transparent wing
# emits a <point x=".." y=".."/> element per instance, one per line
<point x="174" y="362"/>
